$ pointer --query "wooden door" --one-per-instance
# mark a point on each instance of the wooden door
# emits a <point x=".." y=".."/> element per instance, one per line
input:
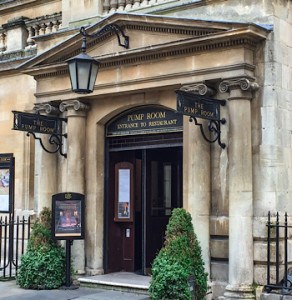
<point x="120" y="239"/>
<point x="155" y="186"/>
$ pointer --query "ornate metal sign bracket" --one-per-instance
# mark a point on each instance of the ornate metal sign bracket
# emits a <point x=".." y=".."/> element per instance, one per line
<point x="54" y="139"/>
<point x="214" y="129"/>
<point x="198" y="106"/>
<point x="37" y="123"/>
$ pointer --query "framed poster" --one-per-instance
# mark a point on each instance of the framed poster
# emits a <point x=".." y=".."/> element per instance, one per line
<point x="6" y="183"/>
<point x="68" y="216"/>
<point x="124" y="192"/>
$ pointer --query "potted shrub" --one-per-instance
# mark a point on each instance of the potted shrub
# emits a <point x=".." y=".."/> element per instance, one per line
<point x="43" y="264"/>
<point x="178" y="269"/>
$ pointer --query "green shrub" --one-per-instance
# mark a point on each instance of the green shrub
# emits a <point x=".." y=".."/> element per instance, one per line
<point x="169" y="280"/>
<point x="43" y="264"/>
<point x="179" y="260"/>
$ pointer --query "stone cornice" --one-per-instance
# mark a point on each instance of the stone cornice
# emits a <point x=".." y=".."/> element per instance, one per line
<point x="208" y="43"/>
<point x="207" y="32"/>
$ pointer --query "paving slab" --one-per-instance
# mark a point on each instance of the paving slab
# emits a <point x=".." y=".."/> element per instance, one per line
<point x="9" y="290"/>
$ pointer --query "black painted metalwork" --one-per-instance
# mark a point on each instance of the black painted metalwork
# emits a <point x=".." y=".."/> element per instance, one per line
<point x="54" y="139"/>
<point x="108" y="28"/>
<point x="214" y="130"/>
<point x="274" y="240"/>
<point x="14" y="233"/>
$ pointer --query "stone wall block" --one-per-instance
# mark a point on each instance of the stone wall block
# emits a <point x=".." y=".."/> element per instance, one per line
<point x="260" y="229"/>
<point x="273" y="74"/>
<point x="260" y="251"/>
<point x="270" y="96"/>
<point x="260" y="274"/>
<point x="219" y="271"/>
<point x="219" y="248"/>
<point x="219" y="226"/>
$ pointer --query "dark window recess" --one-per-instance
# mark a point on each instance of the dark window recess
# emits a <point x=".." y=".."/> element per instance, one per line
<point x="145" y="141"/>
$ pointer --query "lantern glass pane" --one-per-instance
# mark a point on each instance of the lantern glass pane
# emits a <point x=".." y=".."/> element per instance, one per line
<point x="93" y="75"/>
<point x="83" y="70"/>
<point x="72" y="72"/>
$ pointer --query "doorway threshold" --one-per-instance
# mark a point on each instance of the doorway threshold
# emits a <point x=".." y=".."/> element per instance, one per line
<point x="119" y="281"/>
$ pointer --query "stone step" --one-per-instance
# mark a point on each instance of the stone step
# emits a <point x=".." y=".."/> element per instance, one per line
<point x="121" y="281"/>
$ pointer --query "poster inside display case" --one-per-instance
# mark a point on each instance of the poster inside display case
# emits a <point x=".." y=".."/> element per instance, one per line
<point x="68" y="216"/>
<point x="6" y="183"/>
<point x="124" y="192"/>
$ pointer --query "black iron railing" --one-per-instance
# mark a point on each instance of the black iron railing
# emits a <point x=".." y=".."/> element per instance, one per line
<point x="14" y="234"/>
<point x="279" y="275"/>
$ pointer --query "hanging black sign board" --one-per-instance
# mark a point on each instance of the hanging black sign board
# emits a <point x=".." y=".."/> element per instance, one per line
<point x="68" y="217"/>
<point x="6" y="183"/>
<point x="37" y="123"/>
<point x="198" y="106"/>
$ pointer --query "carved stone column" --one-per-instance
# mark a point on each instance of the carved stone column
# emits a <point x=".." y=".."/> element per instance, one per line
<point x="240" y="188"/>
<point x="197" y="177"/>
<point x="75" y="174"/>
<point x="46" y="178"/>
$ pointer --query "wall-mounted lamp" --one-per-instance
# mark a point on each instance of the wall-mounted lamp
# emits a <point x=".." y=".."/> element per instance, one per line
<point x="83" y="68"/>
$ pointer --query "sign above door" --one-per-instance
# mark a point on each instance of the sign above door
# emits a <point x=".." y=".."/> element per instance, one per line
<point x="145" y="120"/>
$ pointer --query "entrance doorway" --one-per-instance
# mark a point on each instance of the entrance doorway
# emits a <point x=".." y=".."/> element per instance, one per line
<point x="143" y="185"/>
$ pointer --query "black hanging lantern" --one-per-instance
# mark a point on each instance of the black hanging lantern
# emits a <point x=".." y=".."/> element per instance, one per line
<point x="83" y="68"/>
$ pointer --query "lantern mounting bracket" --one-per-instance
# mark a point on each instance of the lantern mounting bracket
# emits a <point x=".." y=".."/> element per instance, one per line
<point x="83" y="68"/>
<point x="110" y="27"/>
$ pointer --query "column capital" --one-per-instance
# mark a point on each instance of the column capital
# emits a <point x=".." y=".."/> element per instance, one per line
<point x="239" y="88"/>
<point x="46" y="108"/>
<point x="199" y="88"/>
<point x="244" y="84"/>
<point x="75" y="107"/>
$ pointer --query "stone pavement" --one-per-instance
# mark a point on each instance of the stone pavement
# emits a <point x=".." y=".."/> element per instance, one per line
<point x="10" y="291"/>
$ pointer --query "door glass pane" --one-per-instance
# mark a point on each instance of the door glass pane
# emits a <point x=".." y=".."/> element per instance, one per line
<point x="160" y="188"/>
<point x="155" y="200"/>
<point x="167" y="188"/>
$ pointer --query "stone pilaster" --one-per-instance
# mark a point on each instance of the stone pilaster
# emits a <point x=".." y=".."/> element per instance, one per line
<point x="76" y="112"/>
<point x="197" y="186"/>
<point x="240" y="188"/>
<point x="45" y="166"/>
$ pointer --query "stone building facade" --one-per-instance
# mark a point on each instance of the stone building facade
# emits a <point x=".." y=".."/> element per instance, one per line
<point x="236" y="53"/>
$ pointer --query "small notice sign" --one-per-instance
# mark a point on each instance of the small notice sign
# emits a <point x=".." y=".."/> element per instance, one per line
<point x="68" y="215"/>
<point x="198" y="106"/>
